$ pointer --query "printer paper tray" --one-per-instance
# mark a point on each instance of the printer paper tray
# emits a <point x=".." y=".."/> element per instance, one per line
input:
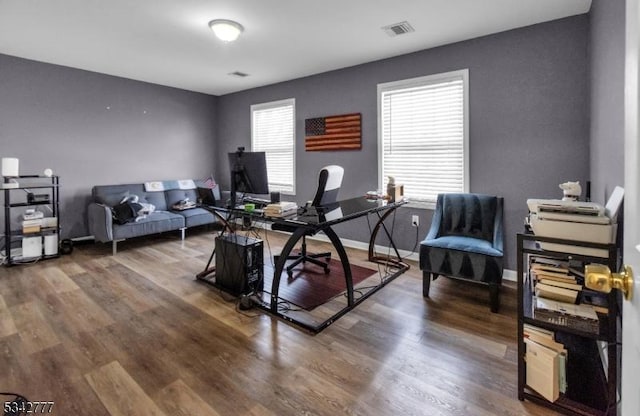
<point x="594" y="233"/>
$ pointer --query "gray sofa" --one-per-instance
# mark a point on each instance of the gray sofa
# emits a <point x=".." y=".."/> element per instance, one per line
<point x="163" y="219"/>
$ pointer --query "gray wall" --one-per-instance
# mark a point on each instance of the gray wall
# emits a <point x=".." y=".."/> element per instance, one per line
<point x="607" y="55"/>
<point x="529" y="125"/>
<point x="96" y="129"/>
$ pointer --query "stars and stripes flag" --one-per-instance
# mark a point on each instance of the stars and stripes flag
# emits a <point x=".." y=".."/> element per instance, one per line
<point x="333" y="133"/>
<point x="209" y="182"/>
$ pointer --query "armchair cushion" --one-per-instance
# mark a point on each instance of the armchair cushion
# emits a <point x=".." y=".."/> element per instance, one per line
<point x="468" y="244"/>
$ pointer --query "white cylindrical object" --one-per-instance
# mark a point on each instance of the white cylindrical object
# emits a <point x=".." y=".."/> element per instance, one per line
<point x="10" y="166"/>
<point x="50" y="244"/>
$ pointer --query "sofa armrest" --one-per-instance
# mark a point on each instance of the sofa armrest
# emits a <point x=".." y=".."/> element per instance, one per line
<point x="100" y="222"/>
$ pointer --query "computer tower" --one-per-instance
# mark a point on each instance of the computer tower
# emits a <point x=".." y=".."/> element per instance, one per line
<point x="239" y="264"/>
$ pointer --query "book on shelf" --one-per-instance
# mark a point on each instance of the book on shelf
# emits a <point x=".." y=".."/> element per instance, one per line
<point x="581" y="317"/>
<point x="560" y="283"/>
<point x="30" y="229"/>
<point x="31" y="226"/>
<point x="545" y="369"/>
<point x="543" y="290"/>
<point x="540" y="276"/>
<point x="552" y="270"/>
<point x="542" y="261"/>
<point x="546" y="338"/>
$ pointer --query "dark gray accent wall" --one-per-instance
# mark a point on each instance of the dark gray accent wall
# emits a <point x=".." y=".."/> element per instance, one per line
<point x="529" y="124"/>
<point x="94" y="129"/>
<point x="607" y="60"/>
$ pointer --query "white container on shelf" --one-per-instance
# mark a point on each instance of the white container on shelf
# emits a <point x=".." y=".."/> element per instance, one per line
<point x="10" y="166"/>
<point x="50" y="244"/>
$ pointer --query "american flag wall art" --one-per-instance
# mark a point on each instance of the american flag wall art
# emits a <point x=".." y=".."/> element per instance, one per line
<point x="341" y="132"/>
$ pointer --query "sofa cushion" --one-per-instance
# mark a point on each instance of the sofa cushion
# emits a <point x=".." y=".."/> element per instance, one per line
<point x="196" y="216"/>
<point x="154" y="223"/>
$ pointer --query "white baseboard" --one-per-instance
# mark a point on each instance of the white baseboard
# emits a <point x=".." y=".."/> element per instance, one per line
<point x="510" y="275"/>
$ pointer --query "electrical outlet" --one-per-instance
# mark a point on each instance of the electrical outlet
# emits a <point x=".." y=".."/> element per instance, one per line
<point x="415" y="221"/>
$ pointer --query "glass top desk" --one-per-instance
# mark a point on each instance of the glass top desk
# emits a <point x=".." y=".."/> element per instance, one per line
<point x="313" y="220"/>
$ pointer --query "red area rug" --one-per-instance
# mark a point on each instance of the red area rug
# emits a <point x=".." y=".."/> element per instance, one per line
<point x="310" y="287"/>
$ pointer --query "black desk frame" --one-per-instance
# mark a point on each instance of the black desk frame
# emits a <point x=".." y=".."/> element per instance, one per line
<point x="382" y="212"/>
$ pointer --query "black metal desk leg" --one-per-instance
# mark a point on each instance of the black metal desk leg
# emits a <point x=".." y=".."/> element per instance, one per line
<point x="374" y="234"/>
<point x="226" y="226"/>
<point x="279" y="266"/>
<point x="335" y="240"/>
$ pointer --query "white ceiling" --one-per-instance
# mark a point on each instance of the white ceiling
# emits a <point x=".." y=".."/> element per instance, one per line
<point x="168" y="42"/>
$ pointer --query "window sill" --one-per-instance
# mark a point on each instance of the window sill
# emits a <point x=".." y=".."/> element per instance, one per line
<point x="420" y="205"/>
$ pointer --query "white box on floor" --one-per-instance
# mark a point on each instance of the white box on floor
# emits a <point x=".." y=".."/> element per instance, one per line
<point x="32" y="246"/>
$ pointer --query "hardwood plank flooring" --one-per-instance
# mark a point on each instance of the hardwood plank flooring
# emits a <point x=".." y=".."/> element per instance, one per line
<point x="136" y="334"/>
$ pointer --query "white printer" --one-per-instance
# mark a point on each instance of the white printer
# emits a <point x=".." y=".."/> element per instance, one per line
<point x="576" y="220"/>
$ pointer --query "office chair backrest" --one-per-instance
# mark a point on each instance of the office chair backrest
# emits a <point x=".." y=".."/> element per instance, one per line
<point x="329" y="182"/>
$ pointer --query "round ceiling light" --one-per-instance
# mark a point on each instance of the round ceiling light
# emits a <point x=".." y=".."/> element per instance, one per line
<point x="226" y="30"/>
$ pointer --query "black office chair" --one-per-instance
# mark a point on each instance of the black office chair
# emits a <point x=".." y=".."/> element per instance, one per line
<point x="329" y="182"/>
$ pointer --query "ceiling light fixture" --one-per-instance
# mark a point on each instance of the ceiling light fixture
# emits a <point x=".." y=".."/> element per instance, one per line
<point x="226" y="30"/>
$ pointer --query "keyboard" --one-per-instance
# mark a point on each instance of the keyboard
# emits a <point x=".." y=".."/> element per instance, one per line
<point x="257" y="201"/>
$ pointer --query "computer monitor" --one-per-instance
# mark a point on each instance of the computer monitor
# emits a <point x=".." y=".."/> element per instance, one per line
<point x="248" y="173"/>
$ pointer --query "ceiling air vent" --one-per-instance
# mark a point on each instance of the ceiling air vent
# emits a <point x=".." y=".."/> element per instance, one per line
<point x="398" y="29"/>
<point x="238" y="74"/>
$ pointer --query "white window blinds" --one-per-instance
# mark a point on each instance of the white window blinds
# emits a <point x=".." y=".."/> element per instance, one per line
<point x="423" y="134"/>
<point x="273" y="132"/>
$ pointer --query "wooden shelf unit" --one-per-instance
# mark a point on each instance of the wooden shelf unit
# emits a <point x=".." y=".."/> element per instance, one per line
<point x="593" y="385"/>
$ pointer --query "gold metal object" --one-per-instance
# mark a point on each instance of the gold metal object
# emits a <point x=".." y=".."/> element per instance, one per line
<point x="599" y="277"/>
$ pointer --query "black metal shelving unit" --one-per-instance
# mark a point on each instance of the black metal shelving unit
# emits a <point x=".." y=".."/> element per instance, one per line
<point x="49" y="185"/>
<point x="593" y="385"/>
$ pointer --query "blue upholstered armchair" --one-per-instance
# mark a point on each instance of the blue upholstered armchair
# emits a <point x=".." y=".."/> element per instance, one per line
<point x="465" y="241"/>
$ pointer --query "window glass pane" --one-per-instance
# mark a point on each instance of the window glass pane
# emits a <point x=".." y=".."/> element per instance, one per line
<point x="273" y="132"/>
<point x="423" y="135"/>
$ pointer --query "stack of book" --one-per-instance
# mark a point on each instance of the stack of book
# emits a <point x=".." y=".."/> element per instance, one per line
<point x="281" y="209"/>
<point x="581" y="317"/>
<point x="31" y="226"/>
<point x="546" y="363"/>
<point x="553" y="279"/>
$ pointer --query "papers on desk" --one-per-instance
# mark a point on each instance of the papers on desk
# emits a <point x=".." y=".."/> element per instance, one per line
<point x="281" y="209"/>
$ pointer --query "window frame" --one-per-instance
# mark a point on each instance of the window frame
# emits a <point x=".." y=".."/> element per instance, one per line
<point x="275" y="104"/>
<point x="419" y="82"/>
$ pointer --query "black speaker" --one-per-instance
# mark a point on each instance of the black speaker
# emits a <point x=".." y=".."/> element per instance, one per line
<point x="239" y="264"/>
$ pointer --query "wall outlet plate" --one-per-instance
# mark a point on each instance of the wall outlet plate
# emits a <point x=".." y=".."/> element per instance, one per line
<point x="415" y="221"/>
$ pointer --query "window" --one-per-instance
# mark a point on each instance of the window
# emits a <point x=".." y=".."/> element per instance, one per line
<point x="423" y="134"/>
<point x="273" y="132"/>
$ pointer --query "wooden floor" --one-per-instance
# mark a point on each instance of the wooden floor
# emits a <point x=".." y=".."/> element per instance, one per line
<point x="135" y="334"/>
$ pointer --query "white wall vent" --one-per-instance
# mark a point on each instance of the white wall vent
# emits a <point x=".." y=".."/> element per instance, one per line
<point x="398" y="29"/>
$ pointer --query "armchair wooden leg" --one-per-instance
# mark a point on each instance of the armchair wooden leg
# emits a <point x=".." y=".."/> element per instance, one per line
<point x="426" y="283"/>
<point x="494" y="297"/>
